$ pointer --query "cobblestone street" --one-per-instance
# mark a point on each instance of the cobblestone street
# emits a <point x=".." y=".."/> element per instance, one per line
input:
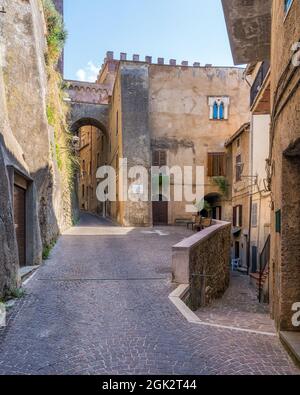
<point x="100" y="305"/>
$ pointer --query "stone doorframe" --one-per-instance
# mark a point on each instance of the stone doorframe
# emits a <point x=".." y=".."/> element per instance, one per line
<point x="33" y="243"/>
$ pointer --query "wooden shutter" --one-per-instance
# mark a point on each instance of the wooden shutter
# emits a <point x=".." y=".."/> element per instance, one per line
<point x="240" y="215"/>
<point x="234" y="216"/>
<point x="162" y="158"/>
<point x="159" y="158"/>
<point x="210" y="165"/>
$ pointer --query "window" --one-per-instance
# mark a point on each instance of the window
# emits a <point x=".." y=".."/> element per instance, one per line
<point x="117" y="123"/>
<point x="216" y="111"/>
<point x="238" y="216"/>
<point x="216" y="166"/>
<point x="287" y="5"/>
<point x="254" y="215"/>
<point x="221" y="111"/>
<point x="102" y="143"/>
<point x="239" y="168"/>
<point x="219" y="108"/>
<point x="159" y="158"/>
<point x="83" y="191"/>
<point x="98" y="159"/>
<point x="83" y="165"/>
<point x="278" y="221"/>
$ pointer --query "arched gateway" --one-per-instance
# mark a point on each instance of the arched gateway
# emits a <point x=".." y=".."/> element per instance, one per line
<point x="88" y="121"/>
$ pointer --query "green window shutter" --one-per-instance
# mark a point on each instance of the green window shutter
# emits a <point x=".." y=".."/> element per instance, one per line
<point x="278" y="221"/>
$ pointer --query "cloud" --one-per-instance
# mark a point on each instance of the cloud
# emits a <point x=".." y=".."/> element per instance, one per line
<point x="89" y="73"/>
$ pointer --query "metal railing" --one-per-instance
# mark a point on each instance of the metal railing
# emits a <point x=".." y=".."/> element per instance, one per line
<point x="263" y="266"/>
<point x="259" y="80"/>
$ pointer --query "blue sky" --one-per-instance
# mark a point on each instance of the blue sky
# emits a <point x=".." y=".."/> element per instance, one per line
<point x="192" y="30"/>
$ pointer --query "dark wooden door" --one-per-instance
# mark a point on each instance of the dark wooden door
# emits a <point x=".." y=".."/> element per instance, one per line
<point x="160" y="212"/>
<point x="20" y="222"/>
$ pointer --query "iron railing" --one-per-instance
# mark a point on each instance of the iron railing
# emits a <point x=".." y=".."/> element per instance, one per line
<point x="263" y="266"/>
<point x="259" y="80"/>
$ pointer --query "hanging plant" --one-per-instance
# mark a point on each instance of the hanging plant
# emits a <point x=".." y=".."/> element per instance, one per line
<point x="222" y="183"/>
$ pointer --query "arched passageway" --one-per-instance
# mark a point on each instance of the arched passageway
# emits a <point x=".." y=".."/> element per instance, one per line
<point x="92" y="151"/>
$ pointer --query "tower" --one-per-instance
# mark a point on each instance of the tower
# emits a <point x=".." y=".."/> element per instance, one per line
<point x="59" y="5"/>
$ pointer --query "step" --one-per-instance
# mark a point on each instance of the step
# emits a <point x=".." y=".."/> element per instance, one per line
<point x="292" y="341"/>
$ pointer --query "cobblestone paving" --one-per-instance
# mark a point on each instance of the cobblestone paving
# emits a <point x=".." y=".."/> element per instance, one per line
<point x="239" y="308"/>
<point x="100" y="306"/>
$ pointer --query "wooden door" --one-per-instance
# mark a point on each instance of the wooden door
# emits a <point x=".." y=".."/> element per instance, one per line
<point x="20" y="222"/>
<point x="160" y="212"/>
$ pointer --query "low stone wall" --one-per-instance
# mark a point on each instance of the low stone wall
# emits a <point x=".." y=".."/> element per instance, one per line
<point x="203" y="262"/>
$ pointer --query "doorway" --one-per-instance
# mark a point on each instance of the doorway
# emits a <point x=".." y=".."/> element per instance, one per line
<point x="20" y="222"/>
<point x="160" y="212"/>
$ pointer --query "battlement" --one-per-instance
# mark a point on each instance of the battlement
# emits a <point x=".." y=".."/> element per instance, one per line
<point x="87" y="92"/>
<point x="110" y="58"/>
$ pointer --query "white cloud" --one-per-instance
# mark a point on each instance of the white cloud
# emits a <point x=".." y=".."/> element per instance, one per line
<point x="89" y="73"/>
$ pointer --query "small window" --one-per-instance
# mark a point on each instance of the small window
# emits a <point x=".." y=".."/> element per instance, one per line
<point x="239" y="168"/>
<point x="221" y="111"/>
<point x="117" y="123"/>
<point x="216" y="111"/>
<point x="278" y="221"/>
<point x="216" y="166"/>
<point x="83" y="191"/>
<point x="254" y="215"/>
<point x="98" y="159"/>
<point x="238" y="216"/>
<point x="159" y="158"/>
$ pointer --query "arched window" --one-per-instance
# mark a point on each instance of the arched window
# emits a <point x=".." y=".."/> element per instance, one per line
<point x="221" y="111"/>
<point x="216" y="111"/>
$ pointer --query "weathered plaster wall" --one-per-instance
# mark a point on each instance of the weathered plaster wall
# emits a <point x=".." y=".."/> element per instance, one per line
<point x="179" y="117"/>
<point x="285" y="249"/>
<point x="136" y="134"/>
<point x="25" y="134"/>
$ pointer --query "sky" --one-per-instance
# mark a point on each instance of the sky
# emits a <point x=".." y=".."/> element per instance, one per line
<point x="192" y="30"/>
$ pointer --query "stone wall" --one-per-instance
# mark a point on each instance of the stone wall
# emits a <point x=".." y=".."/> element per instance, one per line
<point x="203" y="261"/>
<point x="26" y="138"/>
<point x="285" y="162"/>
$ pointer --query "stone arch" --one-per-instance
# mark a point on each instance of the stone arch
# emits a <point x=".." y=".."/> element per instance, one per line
<point x="82" y="114"/>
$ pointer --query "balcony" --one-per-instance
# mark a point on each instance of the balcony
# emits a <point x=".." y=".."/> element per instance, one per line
<point x="259" y="81"/>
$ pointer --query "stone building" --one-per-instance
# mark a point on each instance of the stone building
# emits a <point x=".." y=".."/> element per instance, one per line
<point x="175" y="115"/>
<point x="92" y="156"/>
<point x="275" y="39"/>
<point x="34" y="203"/>
<point x="238" y="148"/>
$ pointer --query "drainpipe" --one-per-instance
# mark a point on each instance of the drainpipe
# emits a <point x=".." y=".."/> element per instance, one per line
<point x="249" y="235"/>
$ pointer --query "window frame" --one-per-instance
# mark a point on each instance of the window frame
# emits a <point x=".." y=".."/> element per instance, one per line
<point x="221" y="165"/>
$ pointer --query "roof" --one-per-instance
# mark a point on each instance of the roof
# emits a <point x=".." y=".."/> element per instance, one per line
<point x="249" y="29"/>
<point x="242" y="129"/>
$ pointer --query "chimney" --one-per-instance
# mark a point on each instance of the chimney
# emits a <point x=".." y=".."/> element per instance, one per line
<point x="148" y="59"/>
<point x="160" y="61"/>
<point x="185" y="63"/>
<point x="196" y="64"/>
<point x="172" y="62"/>
<point x="208" y="65"/>
<point x="136" y="58"/>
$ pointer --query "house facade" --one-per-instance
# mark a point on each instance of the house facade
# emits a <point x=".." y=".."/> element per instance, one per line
<point x="172" y="115"/>
<point x="275" y="101"/>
